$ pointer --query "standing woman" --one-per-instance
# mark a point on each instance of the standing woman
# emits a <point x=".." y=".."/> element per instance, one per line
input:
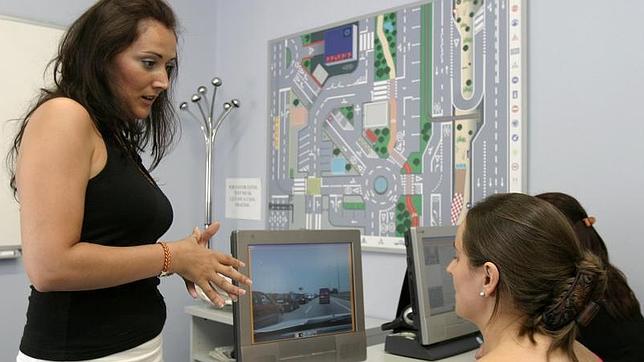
<point x="522" y="278"/>
<point x="617" y="332"/>
<point x="90" y="212"/>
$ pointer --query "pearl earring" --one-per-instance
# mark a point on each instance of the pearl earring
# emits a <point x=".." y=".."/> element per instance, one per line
<point x="482" y="293"/>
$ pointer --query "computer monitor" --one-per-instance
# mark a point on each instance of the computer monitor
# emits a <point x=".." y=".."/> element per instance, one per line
<point x="429" y="251"/>
<point x="306" y="302"/>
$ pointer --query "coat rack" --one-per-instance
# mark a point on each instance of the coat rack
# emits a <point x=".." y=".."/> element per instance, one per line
<point x="209" y="126"/>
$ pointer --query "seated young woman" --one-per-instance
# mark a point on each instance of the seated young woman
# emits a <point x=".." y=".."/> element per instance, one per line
<point x="521" y="276"/>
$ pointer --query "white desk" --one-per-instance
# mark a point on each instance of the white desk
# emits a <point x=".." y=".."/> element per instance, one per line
<point x="376" y="353"/>
<point x="211" y="327"/>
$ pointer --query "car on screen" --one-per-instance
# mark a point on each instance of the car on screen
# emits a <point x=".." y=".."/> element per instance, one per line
<point x="287" y="302"/>
<point x="325" y="296"/>
<point x="301" y="298"/>
<point x="265" y="311"/>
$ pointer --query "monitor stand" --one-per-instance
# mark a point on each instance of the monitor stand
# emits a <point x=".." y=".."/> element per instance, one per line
<point x="405" y="344"/>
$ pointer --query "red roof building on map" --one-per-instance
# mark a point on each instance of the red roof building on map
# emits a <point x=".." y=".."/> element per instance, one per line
<point x="371" y="136"/>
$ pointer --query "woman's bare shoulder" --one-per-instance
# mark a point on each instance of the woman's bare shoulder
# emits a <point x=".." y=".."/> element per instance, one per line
<point x="63" y="116"/>
<point x="584" y="354"/>
<point x="513" y="354"/>
<point x="61" y="108"/>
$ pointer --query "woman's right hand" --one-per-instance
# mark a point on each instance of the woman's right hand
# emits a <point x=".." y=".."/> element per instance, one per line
<point x="205" y="267"/>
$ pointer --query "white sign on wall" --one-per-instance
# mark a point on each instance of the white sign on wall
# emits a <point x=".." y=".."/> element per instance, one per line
<point x="243" y="198"/>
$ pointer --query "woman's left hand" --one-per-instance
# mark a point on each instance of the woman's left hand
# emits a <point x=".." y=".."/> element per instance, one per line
<point x="202" y="238"/>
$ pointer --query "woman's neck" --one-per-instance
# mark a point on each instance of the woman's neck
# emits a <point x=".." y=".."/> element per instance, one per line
<point x="503" y="343"/>
<point x="501" y="330"/>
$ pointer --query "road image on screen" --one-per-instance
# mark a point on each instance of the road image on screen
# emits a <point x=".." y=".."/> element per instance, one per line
<point x="440" y="288"/>
<point x="301" y="290"/>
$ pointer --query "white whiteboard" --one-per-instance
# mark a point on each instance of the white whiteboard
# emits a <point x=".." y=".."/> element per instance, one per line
<point x="26" y="49"/>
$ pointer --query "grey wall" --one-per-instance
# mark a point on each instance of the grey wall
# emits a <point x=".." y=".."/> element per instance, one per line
<point x="585" y="126"/>
<point x="585" y="133"/>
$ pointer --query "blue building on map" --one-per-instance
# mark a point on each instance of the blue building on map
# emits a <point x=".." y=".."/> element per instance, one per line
<point x="341" y="44"/>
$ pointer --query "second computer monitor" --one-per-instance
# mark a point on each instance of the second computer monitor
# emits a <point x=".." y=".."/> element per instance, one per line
<point x="429" y="251"/>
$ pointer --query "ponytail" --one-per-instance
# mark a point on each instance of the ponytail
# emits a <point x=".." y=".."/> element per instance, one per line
<point x="574" y="303"/>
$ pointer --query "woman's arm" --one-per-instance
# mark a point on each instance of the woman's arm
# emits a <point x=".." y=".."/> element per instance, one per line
<point x="59" y="153"/>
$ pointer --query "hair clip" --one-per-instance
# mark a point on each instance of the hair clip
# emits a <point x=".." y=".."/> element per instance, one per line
<point x="589" y="221"/>
<point x="587" y="315"/>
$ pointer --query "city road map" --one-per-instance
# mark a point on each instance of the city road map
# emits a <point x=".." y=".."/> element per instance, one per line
<point x="402" y="118"/>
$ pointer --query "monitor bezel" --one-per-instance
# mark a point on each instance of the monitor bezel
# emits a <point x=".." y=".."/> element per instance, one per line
<point x="240" y="242"/>
<point x="417" y="281"/>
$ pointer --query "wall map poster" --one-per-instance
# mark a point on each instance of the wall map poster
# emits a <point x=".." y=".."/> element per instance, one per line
<point x="402" y="118"/>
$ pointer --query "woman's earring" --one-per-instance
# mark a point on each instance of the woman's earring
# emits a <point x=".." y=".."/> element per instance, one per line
<point x="482" y="293"/>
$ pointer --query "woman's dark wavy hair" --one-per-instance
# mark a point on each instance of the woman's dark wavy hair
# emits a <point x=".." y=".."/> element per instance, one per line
<point x="543" y="271"/>
<point x="83" y="71"/>
<point x="620" y="301"/>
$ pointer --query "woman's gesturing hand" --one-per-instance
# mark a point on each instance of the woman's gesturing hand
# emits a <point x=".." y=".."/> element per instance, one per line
<point x="206" y="268"/>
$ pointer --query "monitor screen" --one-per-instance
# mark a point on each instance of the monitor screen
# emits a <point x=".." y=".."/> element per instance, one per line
<point x="429" y="252"/>
<point x="305" y="302"/>
<point x="439" y="252"/>
<point x="300" y="290"/>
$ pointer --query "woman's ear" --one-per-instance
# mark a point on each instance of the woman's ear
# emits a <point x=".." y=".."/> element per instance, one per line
<point x="491" y="280"/>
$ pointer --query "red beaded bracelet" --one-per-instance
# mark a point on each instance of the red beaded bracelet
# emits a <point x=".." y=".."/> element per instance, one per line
<point x="167" y="258"/>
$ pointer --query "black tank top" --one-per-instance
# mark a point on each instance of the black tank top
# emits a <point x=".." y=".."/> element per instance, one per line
<point x="123" y="207"/>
